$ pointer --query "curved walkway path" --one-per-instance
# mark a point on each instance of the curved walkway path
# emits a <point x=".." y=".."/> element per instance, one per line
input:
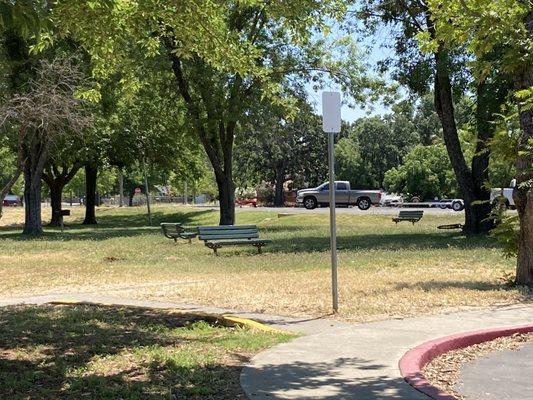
<point x="335" y="360"/>
<point x="504" y="375"/>
<point x="361" y="361"/>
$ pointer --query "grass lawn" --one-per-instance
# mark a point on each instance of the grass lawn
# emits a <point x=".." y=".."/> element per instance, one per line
<point x="384" y="270"/>
<point x="102" y="352"/>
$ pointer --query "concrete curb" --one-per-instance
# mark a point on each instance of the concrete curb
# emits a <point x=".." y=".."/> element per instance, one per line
<point x="221" y="319"/>
<point x="415" y="359"/>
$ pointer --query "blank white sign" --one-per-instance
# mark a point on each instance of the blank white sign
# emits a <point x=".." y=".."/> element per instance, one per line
<point x="331" y="112"/>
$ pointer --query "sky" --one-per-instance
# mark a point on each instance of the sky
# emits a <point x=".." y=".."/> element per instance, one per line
<point x="377" y="53"/>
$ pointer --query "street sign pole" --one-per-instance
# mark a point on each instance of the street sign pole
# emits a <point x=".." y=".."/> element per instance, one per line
<point x="333" y="222"/>
<point x="331" y="112"/>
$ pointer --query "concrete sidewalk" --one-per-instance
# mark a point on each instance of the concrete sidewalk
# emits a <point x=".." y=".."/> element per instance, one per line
<point x="333" y="360"/>
<point x="360" y="362"/>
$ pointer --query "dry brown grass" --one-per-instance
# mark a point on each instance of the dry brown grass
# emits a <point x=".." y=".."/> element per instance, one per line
<point x="384" y="270"/>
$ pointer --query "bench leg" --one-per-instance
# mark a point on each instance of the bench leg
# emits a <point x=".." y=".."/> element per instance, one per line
<point x="190" y="240"/>
<point x="215" y="250"/>
<point x="259" y="249"/>
<point x="175" y="240"/>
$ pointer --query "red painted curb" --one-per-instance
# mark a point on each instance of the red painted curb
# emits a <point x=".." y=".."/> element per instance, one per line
<point x="414" y="360"/>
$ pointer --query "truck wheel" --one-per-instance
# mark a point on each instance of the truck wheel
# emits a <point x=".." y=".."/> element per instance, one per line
<point x="457" y="206"/>
<point x="364" y="203"/>
<point x="310" y="203"/>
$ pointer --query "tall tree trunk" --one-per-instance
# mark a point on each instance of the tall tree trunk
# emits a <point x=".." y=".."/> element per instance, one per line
<point x="56" y="197"/>
<point x="279" y="198"/>
<point x="490" y="97"/>
<point x="523" y="193"/>
<point x="32" y="202"/>
<point x="56" y="177"/>
<point x="91" y="174"/>
<point x="226" y="193"/>
<point x="217" y="134"/>
<point x="475" y="217"/>
<point x="36" y="152"/>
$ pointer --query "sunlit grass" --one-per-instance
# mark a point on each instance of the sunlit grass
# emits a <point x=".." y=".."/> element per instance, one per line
<point x="102" y="352"/>
<point x="384" y="270"/>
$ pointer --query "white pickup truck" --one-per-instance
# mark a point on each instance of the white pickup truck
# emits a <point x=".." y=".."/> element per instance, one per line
<point x="319" y="196"/>
<point x="503" y="196"/>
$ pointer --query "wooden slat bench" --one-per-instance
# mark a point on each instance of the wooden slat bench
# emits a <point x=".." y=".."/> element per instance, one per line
<point x="177" y="231"/>
<point x="216" y="237"/>
<point x="411" y="216"/>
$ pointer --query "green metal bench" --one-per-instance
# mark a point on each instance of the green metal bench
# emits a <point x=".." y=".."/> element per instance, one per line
<point x="177" y="231"/>
<point x="216" y="237"/>
<point x="411" y="216"/>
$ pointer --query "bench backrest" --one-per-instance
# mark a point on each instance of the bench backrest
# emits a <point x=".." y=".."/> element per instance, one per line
<point x="228" y="232"/>
<point x="169" y="227"/>
<point x="411" y="214"/>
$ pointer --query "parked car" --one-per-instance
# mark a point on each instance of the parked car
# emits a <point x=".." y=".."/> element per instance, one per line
<point x="11" y="200"/>
<point x="246" y="202"/>
<point x="390" y="200"/>
<point x="344" y="196"/>
<point x="503" y="196"/>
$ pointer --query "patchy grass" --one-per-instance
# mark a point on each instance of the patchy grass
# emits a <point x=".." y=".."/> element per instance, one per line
<point x="384" y="270"/>
<point x="103" y="352"/>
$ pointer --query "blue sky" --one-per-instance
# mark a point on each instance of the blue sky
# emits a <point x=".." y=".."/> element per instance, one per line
<point x="377" y="53"/>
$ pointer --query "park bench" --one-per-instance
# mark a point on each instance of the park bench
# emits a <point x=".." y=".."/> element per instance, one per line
<point x="216" y="237"/>
<point x="411" y="216"/>
<point x="177" y="231"/>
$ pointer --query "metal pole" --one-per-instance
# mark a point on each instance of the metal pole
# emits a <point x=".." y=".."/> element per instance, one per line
<point x="185" y="194"/>
<point x="332" y="223"/>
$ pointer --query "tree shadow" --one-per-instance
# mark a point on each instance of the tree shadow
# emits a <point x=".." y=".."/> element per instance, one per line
<point x="343" y="378"/>
<point x="109" y="226"/>
<point x="73" y="352"/>
<point x="385" y="241"/>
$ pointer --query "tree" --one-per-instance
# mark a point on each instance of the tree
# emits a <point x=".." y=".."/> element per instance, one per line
<point x="374" y="145"/>
<point x="446" y="68"/>
<point x="276" y="148"/>
<point x="42" y="114"/>
<point x="426" y="172"/>
<point x="64" y="162"/>
<point x="507" y="28"/>
<point x="224" y="59"/>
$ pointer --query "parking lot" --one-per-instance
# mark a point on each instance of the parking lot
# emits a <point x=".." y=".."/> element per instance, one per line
<point x="348" y="210"/>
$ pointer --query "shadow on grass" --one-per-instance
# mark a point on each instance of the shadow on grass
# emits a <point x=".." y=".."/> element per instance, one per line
<point x="295" y="238"/>
<point x="109" y="226"/>
<point x="434" y="286"/>
<point x="72" y="352"/>
<point x="399" y="241"/>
